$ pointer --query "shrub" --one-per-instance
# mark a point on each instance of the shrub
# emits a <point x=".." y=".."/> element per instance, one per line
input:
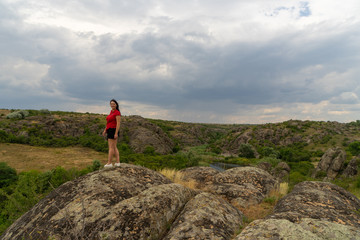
<point x="149" y="150"/>
<point x="7" y="175"/>
<point x="269" y="152"/>
<point x="59" y="176"/>
<point x="292" y="154"/>
<point x="246" y="150"/>
<point x="296" y="177"/>
<point x="44" y="111"/>
<point x="4" y="136"/>
<point x="14" y="115"/>
<point x="18" y="114"/>
<point x="96" y="165"/>
<point x="303" y="167"/>
<point x="354" y="148"/>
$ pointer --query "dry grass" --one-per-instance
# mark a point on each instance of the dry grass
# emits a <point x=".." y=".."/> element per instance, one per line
<point x="25" y="157"/>
<point x="177" y="177"/>
<point x="266" y="207"/>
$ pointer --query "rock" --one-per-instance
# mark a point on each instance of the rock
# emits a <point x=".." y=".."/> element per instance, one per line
<point x="145" y="216"/>
<point x="265" y="166"/>
<point x="319" y="200"/>
<point x="281" y="171"/>
<point x="313" y="210"/>
<point x="351" y="169"/>
<point x="238" y="195"/>
<point x="331" y="162"/>
<point x="202" y="175"/>
<point x="206" y="217"/>
<point x="129" y="201"/>
<point x="306" y="228"/>
<point x="142" y="133"/>
<point x="245" y="176"/>
<point x="242" y="186"/>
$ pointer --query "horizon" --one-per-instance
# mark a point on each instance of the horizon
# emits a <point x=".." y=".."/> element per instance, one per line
<point x="171" y="120"/>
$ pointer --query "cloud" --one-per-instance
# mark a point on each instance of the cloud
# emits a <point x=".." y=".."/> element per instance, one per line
<point x="253" y="61"/>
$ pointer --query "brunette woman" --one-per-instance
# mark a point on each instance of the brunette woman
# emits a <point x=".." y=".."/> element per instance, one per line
<point x="112" y="132"/>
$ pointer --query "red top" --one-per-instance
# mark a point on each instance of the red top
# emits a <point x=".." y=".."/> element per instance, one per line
<point x="111" y="119"/>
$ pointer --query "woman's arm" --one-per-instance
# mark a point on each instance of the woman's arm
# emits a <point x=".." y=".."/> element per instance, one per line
<point x="117" y="127"/>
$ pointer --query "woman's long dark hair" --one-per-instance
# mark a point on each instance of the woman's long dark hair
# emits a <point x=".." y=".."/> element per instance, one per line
<point x="117" y="105"/>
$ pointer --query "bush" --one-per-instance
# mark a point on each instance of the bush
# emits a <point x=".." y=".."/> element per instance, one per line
<point x="296" y="177"/>
<point x="14" y="115"/>
<point x="290" y="154"/>
<point x="4" y="136"/>
<point x="269" y="152"/>
<point x="59" y="176"/>
<point x="246" y="151"/>
<point x="18" y="114"/>
<point x="354" y="148"/>
<point x="7" y="175"/>
<point x="305" y="168"/>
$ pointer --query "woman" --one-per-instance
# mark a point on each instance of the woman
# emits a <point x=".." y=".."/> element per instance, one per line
<point x="112" y="131"/>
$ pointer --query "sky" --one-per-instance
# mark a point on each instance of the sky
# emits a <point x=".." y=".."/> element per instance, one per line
<point x="208" y="61"/>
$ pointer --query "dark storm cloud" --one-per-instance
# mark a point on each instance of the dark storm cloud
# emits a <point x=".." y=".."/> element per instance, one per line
<point x="176" y="61"/>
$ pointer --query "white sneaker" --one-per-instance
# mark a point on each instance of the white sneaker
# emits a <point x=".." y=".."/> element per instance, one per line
<point x="108" y="165"/>
<point x="117" y="164"/>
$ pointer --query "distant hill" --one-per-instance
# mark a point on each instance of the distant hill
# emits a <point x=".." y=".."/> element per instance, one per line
<point x="166" y="137"/>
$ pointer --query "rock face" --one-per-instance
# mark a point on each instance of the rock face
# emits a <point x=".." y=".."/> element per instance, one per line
<point x="313" y="210"/>
<point x="86" y="205"/>
<point x="132" y="202"/>
<point x="281" y="171"/>
<point x="241" y="186"/>
<point x="351" y="169"/>
<point x="206" y="217"/>
<point x="129" y="202"/>
<point x="142" y="133"/>
<point x="331" y="162"/>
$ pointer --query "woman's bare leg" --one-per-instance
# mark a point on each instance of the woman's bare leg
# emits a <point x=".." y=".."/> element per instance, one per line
<point x="113" y="151"/>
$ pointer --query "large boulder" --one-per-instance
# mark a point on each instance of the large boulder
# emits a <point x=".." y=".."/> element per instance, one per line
<point x="313" y="210"/>
<point x="244" y="176"/>
<point x="351" y="168"/>
<point x="319" y="200"/>
<point x="304" y="229"/>
<point x="206" y="217"/>
<point x="331" y="162"/>
<point x="128" y="202"/>
<point x="281" y="171"/>
<point x="201" y="175"/>
<point x="243" y="186"/>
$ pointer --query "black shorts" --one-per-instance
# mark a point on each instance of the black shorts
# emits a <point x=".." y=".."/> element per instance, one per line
<point x="110" y="133"/>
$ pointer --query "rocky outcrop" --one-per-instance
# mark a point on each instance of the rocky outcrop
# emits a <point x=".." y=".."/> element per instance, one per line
<point x="352" y="168"/>
<point x="331" y="163"/>
<point x="313" y="210"/>
<point x="142" y="133"/>
<point x="129" y="202"/>
<point x="305" y="228"/>
<point x="241" y="186"/>
<point x="281" y="171"/>
<point x="201" y="175"/>
<point x="206" y="217"/>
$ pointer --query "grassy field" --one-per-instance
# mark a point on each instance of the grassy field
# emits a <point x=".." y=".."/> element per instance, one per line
<point x="25" y="157"/>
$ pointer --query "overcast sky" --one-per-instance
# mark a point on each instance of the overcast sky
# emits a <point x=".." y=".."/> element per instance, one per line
<point x="224" y="61"/>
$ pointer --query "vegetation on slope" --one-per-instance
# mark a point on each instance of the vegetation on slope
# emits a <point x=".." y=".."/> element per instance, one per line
<point x="298" y="143"/>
